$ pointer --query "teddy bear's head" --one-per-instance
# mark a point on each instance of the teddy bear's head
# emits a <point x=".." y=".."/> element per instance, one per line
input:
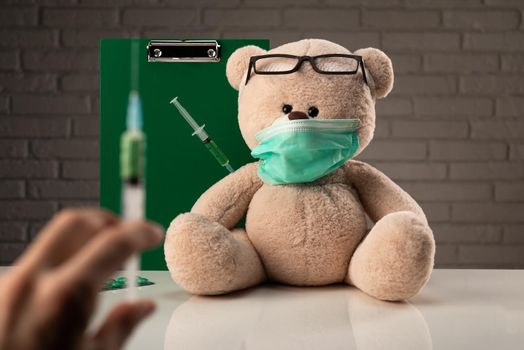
<point x="306" y="93"/>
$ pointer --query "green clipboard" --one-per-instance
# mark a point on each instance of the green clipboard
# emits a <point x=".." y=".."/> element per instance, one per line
<point x="179" y="167"/>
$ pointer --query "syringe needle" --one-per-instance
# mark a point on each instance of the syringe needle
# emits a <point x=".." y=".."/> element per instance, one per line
<point x="203" y="136"/>
<point x="186" y="114"/>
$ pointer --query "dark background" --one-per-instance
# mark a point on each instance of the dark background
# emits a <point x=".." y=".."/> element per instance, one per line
<point x="451" y="133"/>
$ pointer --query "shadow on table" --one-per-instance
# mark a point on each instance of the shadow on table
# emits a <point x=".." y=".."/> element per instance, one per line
<point x="281" y="317"/>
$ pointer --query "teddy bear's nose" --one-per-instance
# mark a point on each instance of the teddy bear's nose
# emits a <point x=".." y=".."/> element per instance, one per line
<point x="297" y="115"/>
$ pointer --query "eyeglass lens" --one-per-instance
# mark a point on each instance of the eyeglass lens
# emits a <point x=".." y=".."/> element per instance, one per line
<point x="323" y="64"/>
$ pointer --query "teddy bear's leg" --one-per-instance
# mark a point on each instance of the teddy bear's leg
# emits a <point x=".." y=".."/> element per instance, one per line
<point x="204" y="257"/>
<point x="395" y="259"/>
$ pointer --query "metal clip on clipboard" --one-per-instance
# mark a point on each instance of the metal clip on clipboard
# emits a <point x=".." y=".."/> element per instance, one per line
<point x="183" y="51"/>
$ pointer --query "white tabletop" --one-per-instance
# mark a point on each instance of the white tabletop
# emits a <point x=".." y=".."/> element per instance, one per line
<point x="458" y="309"/>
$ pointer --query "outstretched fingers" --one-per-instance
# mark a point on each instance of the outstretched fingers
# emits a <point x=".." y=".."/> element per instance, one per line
<point x="108" y="251"/>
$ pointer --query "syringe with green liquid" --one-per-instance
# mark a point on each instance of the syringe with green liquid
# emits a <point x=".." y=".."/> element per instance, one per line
<point x="203" y="136"/>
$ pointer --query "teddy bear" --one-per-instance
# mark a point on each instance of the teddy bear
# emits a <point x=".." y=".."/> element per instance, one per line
<point x="313" y="214"/>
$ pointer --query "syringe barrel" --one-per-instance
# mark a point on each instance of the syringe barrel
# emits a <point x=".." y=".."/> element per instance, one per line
<point x="216" y="152"/>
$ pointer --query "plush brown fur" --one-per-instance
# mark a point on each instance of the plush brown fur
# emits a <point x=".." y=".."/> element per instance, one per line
<point x="312" y="233"/>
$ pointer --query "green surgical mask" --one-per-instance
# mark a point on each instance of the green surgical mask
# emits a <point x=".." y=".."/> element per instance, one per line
<point x="301" y="151"/>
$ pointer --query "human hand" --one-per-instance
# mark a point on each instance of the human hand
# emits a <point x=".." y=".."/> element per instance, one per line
<point x="48" y="298"/>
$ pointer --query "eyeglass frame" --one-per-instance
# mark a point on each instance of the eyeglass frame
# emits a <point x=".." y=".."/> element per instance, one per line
<point x="311" y="60"/>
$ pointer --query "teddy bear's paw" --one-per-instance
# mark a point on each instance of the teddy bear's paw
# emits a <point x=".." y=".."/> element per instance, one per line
<point x="395" y="259"/>
<point x="206" y="258"/>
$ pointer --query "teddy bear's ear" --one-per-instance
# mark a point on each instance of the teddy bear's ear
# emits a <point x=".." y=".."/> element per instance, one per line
<point x="379" y="65"/>
<point x="238" y="63"/>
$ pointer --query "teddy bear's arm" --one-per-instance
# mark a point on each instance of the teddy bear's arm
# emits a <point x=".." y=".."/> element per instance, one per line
<point x="226" y="202"/>
<point x="378" y="193"/>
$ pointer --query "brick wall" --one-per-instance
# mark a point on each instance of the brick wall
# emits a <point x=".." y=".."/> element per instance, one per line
<point x="451" y="133"/>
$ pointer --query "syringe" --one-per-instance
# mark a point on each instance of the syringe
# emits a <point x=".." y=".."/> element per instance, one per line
<point x="132" y="165"/>
<point x="203" y="136"/>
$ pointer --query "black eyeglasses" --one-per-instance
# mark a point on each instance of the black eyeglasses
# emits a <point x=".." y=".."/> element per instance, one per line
<point x="324" y="64"/>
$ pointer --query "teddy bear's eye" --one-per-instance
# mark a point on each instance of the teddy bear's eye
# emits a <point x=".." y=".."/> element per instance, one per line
<point x="287" y="108"/>
<point x="312" y="112"/>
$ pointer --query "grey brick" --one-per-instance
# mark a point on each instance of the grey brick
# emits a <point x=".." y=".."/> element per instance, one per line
<point x="453" y="106"/>
<point x="134" y="2"/>
<point x="18" y="38"/>
<point x="13" y="232"/>
<point x="397" y="150"/>
<point x="488" y="212"/>
<point x="4" y="104"/>
<point x="241" y="17"/>
<point x="79" y="82"/>
<point x="26" y="210"/>
<point x="13" y="148"/>
<point x="497" y="129"/>
<point x="9" y="60"/>
<point x="430" y="129"/>
<point x="18" y="16"/>
<point x="198" y="33"/>
<point x="436" y="212"/>
<point x="66" y="149"/>
<point x="86" y="127"/>
<point x="412" y="171"/>
<point x="89" y="38"/>
<point x="512" y="62"/>
<point x="492" y="84"/>
<point x="447" y="191"/>
<point x="466" y="233"/>
<point x="351" y="41"/>
<point x="222" y="3"/>
<point x="277" y="3"/>
<point x="16" y="169"/>
<point x="364" y="3"/>
<point x="381" y="130"/>
<point x="76" y="17"/>
<point x="511" y="106"/>
<point x="12" y="189"/>
<point x="33" y="127"/>
<point x="87" y="170"/>
<point x="443" y="3"/>
<point x="27" y="82"/>
<point x="467" y="150"/>
<point x="424" y="85"/>
<point x="461" y="62"/>
<point x="402" y="19"/>
<point x="393" y="106"/>
<point x="446" y="256"/>
<point x="429" y="41"/>
<point x="54" y="189"/>
<point x="486" y="170"/>
<point x="513" y="233"/>
<point x="406" y="63"/>
<point x="61" y="60"/>
<point x="481" y="20"/>
<point x="51" y="104"/>
<point x="321" y="18"/>
<point x="516" y="151"/>
<point x="157" y="17"/>
<point x="9" y="252"/>
<point x="506" y="41"/>
<point x="509" y="191"/>
<point x="95" y="103"/>
<point x="500" y="3"/>
<point x="500" y="255"/>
